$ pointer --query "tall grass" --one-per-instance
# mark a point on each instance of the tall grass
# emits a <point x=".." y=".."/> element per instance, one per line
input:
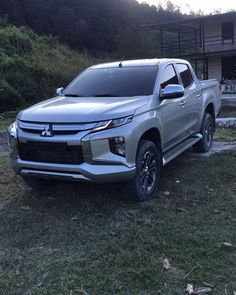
<point x="31" y="66"/>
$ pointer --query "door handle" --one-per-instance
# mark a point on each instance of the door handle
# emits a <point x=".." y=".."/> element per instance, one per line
<point x="198" y="95"/>
<point x="182" y="103"/>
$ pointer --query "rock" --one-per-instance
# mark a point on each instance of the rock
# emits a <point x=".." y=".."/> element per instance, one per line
<point x="25" y="208"/>
<point x="166" y="264"/>
<point x="226" y="122"/>
<point x="225" y="245"/>
<point x="202" y="290"/>
<point x="166" y="194"/>
<point x="190" y="289"/>
<point x="75" y="218"/>
<point x="181" y="209"/>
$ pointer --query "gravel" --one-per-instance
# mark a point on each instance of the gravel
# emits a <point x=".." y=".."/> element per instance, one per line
<point x="226" y="122"/>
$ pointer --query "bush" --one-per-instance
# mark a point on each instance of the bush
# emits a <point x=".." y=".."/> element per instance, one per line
<point x="9" y="97"/>
<point x="32" y="67"/>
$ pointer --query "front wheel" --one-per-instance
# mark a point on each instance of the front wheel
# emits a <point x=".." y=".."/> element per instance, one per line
<point x="148" y="163"/>
<point x="207" y="131"/>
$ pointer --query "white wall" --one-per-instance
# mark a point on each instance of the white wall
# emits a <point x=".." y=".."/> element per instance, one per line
<point x="214" y="68"/>
<point x="213" y="27"/>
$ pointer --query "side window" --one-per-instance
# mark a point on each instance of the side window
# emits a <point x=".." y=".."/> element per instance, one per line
<point x="185" y="75"/>
<point x="169" y="77"/>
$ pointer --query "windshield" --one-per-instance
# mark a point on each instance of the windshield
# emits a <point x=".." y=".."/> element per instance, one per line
<point x="120" y="81"/>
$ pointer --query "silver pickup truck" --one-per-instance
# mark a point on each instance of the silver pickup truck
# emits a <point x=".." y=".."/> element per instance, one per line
<point x="119" y="121"/>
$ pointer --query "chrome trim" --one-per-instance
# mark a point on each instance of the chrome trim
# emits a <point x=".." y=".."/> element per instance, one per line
<point x="55" y="126"/>
<point x="55" y="175"/>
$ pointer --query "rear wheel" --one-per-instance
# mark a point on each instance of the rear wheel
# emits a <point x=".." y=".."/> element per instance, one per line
<point x="148" y="163"/>
<point x="207" y="131"/>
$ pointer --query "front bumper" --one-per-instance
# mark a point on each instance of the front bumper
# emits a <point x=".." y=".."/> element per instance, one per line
<point x="83" y="172"/>
<point x="100" y="164"/>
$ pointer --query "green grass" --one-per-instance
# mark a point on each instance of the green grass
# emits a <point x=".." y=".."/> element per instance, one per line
<point x="114" y="246"/>
<point x="5" y="122"/>
<point x="223" y="134"/>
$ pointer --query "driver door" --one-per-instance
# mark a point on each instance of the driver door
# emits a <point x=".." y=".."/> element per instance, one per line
<point x="171" y="111"/>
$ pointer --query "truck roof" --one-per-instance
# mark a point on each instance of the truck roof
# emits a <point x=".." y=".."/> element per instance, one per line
<point x="136" y="63"/>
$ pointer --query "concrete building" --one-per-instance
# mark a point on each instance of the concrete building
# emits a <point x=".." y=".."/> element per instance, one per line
<point x="208" y="42"/>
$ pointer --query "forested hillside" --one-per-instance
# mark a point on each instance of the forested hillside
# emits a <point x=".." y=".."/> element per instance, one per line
<point x="98" y="25"/>
<point x="31" y="67"/>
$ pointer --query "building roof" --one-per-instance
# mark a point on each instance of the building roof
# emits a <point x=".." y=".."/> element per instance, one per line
<point x="187" y="23"/>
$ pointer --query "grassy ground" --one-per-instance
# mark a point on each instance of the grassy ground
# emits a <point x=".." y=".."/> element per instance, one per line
<point x="5" y="122"/>
<point x="223" y="134"/>
<point x="90" y="239"/>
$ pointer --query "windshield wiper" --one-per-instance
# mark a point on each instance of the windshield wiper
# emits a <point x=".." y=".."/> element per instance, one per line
<point x="105" y="95"/>
<point x="73" y="95"/>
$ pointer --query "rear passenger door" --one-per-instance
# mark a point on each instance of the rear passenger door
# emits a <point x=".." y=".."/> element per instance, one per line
<point x="171" y="111"/>
<point x="191" y="107"/>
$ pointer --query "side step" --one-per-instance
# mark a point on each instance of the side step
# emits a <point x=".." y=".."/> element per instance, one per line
<point x="180" y="148"/>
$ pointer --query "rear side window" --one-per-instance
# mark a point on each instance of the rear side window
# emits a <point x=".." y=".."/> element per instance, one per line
<point x="185" y="75"/>
<point x="169" y="77"/>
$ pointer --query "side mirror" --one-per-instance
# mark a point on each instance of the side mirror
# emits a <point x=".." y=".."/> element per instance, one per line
<point x="172" y="91"/>
<point x="59" y="91"/>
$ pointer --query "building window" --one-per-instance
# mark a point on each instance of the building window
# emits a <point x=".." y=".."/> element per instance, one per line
<point x="229" y="67"/>
<point x="185" y="75"/>
<point x="227" y="32"/>
<point x="169" y="77"/>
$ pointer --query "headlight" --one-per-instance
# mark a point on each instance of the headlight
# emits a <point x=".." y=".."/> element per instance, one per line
<point x="112" y="123"/>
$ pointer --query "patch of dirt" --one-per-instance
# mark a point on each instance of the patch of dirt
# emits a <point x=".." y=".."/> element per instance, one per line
<point x="3" y="142"/>
<point x="218" y="147"/>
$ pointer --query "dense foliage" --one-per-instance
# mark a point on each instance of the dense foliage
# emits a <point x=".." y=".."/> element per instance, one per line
<point x="112" y="26"/>
<point x="31" y="67"/>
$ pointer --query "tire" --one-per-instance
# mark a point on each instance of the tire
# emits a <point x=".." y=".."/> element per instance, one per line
<point x="148" y="164"/>
<point x="36" y="183"/>
<point x="207" y="131"/>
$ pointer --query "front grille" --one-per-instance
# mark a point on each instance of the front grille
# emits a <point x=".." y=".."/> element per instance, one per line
<point x="51" y="152"/>
<point x="59" y="132"/>
<point x="58" y="129"/>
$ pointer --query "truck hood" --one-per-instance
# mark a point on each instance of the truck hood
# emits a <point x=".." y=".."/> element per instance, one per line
<point x="82" y="109"/>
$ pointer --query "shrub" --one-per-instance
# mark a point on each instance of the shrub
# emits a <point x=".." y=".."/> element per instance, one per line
<point x="32" y="67"/>
<point x="9" y="97"/>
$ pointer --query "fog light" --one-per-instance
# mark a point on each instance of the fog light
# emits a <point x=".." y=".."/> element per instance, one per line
<point x="117" y="145"/>
<point x="12" y="140"/>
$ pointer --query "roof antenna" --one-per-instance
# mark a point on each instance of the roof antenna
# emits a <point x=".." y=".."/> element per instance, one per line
<point x="120" y="64"/>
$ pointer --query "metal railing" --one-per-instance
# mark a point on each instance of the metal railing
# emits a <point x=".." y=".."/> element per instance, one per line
<point x="197" y="45"/>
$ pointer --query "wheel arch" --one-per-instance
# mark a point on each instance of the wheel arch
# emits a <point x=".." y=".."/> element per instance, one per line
<point x="153" y="134"/>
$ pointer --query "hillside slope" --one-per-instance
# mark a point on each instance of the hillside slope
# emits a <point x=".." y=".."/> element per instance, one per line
<point x="112" y="26"/>
<point x="31" y="67"/>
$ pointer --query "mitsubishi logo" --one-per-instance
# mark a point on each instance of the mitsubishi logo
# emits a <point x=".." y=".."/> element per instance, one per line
<point x="47" y="132"/>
